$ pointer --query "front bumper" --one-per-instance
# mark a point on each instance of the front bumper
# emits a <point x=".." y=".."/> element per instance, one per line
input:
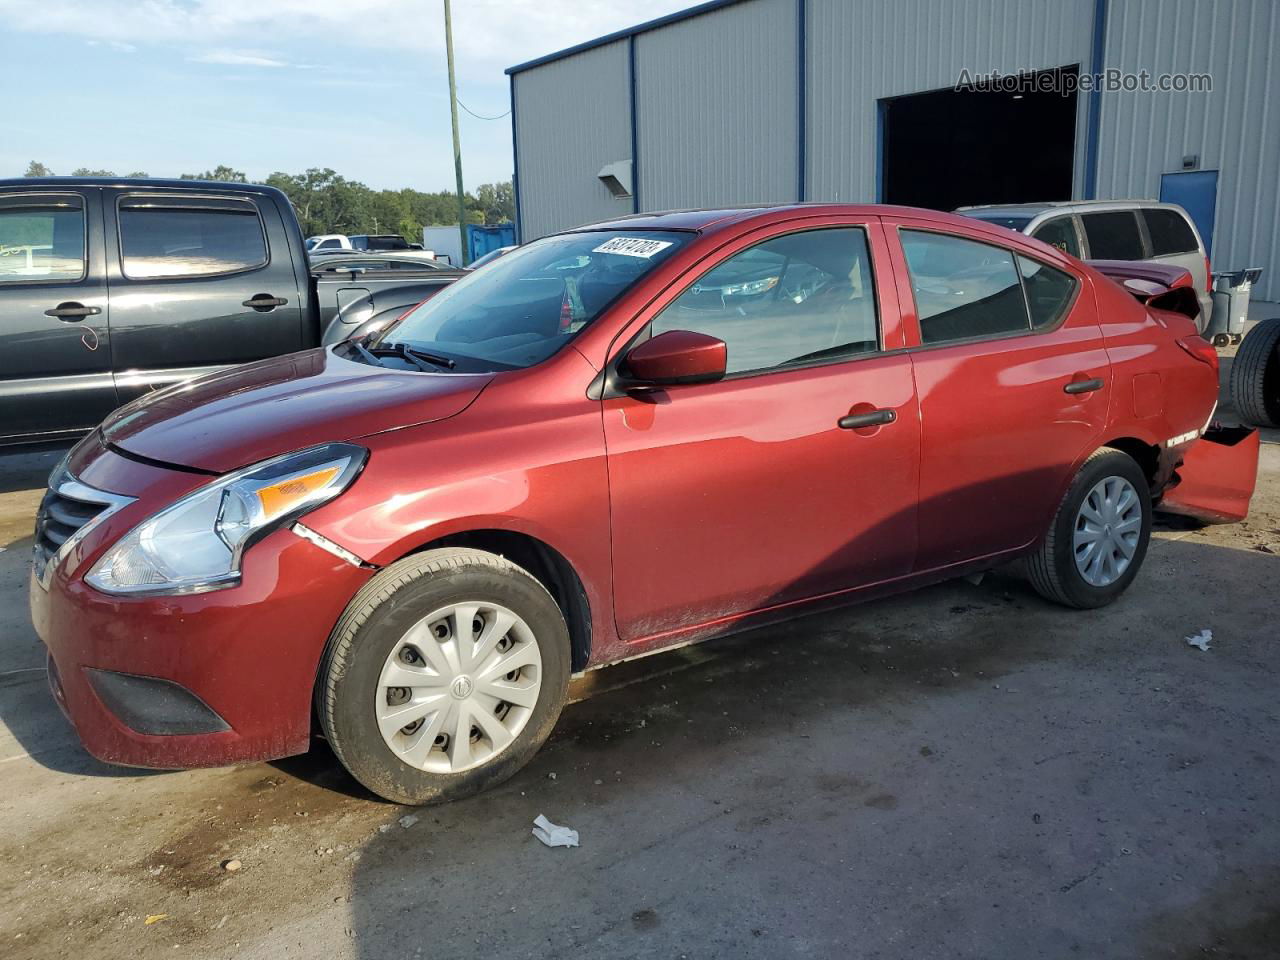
<point x="249" y="654"/>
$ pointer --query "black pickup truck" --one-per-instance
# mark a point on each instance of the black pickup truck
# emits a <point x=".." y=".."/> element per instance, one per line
<point x="110" y="288"/>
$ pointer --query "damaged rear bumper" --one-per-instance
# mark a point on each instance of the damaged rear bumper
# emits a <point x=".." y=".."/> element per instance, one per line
<point x="1216" y="479"/>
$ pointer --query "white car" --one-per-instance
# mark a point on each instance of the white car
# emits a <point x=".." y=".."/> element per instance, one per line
<point x="328" y="241"/>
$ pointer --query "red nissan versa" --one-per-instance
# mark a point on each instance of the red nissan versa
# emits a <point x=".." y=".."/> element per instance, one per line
<point x="609" y="441"/>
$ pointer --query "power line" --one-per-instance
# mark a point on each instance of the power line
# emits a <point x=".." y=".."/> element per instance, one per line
<point x="478" y="117"/>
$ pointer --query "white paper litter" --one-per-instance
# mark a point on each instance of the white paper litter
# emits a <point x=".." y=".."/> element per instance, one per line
<point x="1201" y="640"/>
<point x="553" y="835"/>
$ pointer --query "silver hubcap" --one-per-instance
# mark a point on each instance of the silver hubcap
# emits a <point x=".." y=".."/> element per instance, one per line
<point x="1108" y="526"/>
<point x="459" y="687"/>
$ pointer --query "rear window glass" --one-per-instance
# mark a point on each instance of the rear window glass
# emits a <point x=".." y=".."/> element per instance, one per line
<point x="189" y="238"/>
<point x="1169" y="233"/>
<point x="963" y="289"/>
<point x="1113" y="235"/>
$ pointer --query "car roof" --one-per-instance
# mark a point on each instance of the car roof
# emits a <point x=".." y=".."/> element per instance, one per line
<point x="699" y="221"/>
<point x="1059" y="206"/>
<point x="133" y="183"/>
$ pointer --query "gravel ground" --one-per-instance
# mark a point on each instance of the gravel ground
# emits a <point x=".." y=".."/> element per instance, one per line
<point x="966" y="771"/>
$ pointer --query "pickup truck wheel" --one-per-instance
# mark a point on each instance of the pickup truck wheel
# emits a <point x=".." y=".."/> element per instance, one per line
<point x="444" y="676"/>
<point x="1255" y="375"/>
<point x="1098" y="538"/>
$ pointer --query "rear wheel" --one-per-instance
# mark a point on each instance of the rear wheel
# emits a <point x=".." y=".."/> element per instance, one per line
<point x="1255" y="375"/>
<point x="1098" y="538"/>
<point x="444" y="676"/>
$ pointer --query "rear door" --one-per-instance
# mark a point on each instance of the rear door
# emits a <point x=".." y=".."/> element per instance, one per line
<point x="1013" y="384"/>
<point x="747" y="493"/>
<point x="198" y="282"/>
<point x="55" y="352"/>
<point x="1173" y="240"/>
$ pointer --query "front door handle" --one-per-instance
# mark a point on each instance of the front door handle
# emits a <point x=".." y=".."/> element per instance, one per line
<point x="1083" y="386"/>
<point x="873" y="418"/>
<point x="71" y="311"/>
<point x="264" y="301"/>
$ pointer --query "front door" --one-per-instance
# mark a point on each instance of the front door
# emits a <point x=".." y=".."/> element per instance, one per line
<point x="55" y="355"/>
<point x="1014" y="385"/>
<point x="197" y="283"/>
<point x="748" y="493"/>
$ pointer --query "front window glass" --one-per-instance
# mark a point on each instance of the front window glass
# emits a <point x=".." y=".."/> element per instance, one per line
<point x="1013" y="223"/>
<point x="799" y="298"/>
<point x="41" y="240"/>
<point x="523" y="307"/>
<point x="1059" y="232"/>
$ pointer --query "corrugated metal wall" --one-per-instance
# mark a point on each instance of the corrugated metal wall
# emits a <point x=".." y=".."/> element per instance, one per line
<point x="860" y="53"/>
<point x="572" y="117"/>
<point x="716" y="106"/>
<point x="717" y="98"/>
<point x="1233" y="128"/>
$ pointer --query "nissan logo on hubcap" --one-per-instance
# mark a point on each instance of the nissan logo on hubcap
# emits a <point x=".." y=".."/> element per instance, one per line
<point x="461" y="688"/>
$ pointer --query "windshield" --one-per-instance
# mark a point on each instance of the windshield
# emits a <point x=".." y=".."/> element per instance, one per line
<point x="523" y="307"/>
<point x="1013" y="223"/>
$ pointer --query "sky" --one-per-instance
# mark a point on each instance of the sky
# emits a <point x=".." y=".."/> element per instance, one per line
<point x="180" y="86"/>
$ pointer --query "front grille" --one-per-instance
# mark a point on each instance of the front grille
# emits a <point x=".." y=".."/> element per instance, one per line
<point x="69" y="510"/>
<point x="59" y="518"/>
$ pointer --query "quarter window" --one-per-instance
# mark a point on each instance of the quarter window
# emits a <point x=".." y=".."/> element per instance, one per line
<point x="963" y="289"/>
<point x="163" y="237"/>
<point x="1169" y="232"/>
<point x="800" y="298"/>
<point x="1059" y="232"/>
<point x="41" y="239"/>
<point x="1113" y="235"/>
<point x="1049" y="292"/>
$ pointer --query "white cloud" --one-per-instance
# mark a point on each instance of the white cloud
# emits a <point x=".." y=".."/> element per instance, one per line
<point x="115" y="45"/>
<point x="233" y="58"/>
<point x="487" y="33"/>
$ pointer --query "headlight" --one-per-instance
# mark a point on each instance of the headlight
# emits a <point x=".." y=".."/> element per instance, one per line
<point x="196" y="544"/>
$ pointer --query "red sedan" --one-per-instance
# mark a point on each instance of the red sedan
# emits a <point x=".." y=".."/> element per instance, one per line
<point x="609" y="441"/>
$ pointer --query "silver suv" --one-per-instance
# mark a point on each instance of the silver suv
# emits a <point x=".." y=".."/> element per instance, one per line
<point x="1112" y="230"/>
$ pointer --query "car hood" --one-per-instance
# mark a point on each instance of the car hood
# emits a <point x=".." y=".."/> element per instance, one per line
<point x="245" y="414"/>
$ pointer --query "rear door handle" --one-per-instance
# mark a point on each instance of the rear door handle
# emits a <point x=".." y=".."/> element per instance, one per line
<point x="72" y="311"/>
<point x="264" y="301"/>
<point x="1083" y="386"/>
<point x="873" y="418"/>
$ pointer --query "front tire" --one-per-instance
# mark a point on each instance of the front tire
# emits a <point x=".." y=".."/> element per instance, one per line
<point x="1098" y="538"/>
<point x="444" y="676"/>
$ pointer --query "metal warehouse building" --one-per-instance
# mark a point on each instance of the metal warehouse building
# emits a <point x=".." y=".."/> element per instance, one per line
<point x="759" y="101"/>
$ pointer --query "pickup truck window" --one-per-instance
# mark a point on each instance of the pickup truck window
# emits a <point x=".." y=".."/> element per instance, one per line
<point x="179" y="237"/>
<point x="41" y="239"/>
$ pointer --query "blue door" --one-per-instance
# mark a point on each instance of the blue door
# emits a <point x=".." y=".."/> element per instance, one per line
<point x="1196" y="191"/>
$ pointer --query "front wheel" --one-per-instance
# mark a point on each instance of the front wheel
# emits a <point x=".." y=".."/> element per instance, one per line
<point x="1098" y="538"/>
<point x="444" y="676"/>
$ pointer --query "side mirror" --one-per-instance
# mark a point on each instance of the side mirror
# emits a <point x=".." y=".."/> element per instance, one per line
<point x="677" y="356"/>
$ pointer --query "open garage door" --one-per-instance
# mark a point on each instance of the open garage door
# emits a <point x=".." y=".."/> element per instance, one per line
<point x="952" y="148"/>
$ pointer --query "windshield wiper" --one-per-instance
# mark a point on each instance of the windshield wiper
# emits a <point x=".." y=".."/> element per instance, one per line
<point x="414" y="353"/>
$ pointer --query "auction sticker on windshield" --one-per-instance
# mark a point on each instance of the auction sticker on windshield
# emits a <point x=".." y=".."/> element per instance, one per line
<point x="632" y="247"/>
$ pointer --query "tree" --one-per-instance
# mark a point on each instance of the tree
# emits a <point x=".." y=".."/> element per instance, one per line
<point x="86" y="172"/>
<point x="37" y="169"/>
<point x="498" y="202"/>
<point x="220" y="172"/>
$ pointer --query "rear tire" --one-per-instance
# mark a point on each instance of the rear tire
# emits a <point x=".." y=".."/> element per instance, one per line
<point x="465" y="647"/>
<point x="1098" y="537"/>
<point x="1255" y="375"/>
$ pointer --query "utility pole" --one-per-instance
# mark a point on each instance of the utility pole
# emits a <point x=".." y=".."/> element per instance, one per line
<point x="457" y="141"/>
